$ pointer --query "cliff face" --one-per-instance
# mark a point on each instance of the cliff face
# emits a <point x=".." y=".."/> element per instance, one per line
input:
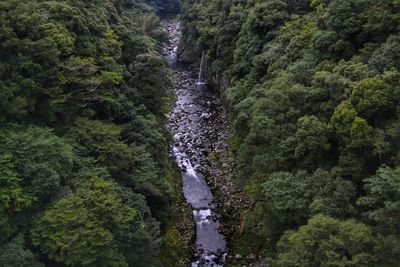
<point x="165" y="8"/>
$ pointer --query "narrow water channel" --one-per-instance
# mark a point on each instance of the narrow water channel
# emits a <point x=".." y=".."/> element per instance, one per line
<point x="189" y="120"/>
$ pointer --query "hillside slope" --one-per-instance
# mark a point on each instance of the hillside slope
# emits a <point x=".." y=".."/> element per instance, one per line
<point x="314" y="93"/>
<point x="85" y="172"/>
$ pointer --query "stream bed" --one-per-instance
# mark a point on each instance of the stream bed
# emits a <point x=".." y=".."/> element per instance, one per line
<point x="191" y="122"/>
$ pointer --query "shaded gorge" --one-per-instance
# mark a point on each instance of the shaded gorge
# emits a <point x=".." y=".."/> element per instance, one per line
<point x="190" y="120"/>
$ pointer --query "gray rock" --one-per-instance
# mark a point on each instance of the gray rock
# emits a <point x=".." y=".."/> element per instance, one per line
<point x="238" y="257"/>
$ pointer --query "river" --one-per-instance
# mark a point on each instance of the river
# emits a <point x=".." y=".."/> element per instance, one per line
<point x="190" y="121"/>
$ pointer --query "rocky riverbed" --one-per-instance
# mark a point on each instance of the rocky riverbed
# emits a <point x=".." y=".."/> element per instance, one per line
<point x="201" y="130"/>
<point x="192" y="110"/>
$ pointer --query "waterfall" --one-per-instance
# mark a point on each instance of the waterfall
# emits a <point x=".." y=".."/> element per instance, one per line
<point x="200" y="80"/>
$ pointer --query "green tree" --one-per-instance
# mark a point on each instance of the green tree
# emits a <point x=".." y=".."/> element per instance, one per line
<point x="387" y="57"/>
<point x="289" y="195"/>
<point x="34" y="163"/>
<point x="312" y="141"/>
<point x="361" y="134"/>
<point x="78" y="229"/>
<point x="129" y="165"/>
<point x="14" y="254"/>
<point x="326" y="241"/>
<point x="373" y="98"/>
<point x="382" y="200"/>
<point x="332" y="195"/>
<point x="14" y="196"/>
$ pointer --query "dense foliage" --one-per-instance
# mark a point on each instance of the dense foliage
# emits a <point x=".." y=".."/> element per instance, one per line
<point x="83" y="149"/>
<point x="314" y="92"/>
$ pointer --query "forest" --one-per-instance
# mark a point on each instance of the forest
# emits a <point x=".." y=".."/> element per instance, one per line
<point x="85" y="172"/>
<point x="313" y="89"/>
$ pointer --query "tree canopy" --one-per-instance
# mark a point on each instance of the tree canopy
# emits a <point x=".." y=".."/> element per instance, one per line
<point x="83" y="145"/>
<point x="313" y="91"/>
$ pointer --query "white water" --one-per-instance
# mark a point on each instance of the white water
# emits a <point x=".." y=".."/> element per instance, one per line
<point x="200" y="80"/>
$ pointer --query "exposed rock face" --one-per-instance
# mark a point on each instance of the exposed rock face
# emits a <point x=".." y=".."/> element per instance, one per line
<point x="165" y="8"/>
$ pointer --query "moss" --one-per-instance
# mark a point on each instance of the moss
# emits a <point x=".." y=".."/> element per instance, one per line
<point x="234" y="142"/>
<point x="252" y="189"/>
<point x="175" y="250"/>
<point x="244" y="244"/>
<point x="172" y="247"/>
<point x="212" y="156"/>
<point x="253" y="238"/>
